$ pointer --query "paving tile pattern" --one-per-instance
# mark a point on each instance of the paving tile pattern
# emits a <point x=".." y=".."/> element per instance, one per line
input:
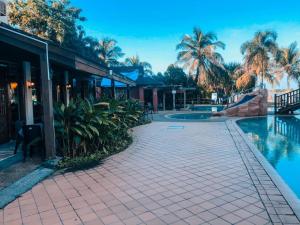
<point x="187" y="174"/>
<point x="276" y="205"/>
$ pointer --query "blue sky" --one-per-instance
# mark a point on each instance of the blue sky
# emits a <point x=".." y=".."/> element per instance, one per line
<point x="152" y="28"/>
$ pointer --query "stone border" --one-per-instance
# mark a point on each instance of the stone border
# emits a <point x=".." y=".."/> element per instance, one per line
<point x="24" y="184"/>
<point x="165" y="117"/>
<point x="285" y="190"/>
<point x="6" y="162"/>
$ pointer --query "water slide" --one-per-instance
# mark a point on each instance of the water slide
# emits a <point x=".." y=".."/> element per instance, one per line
<point x="242" y="100"/>
<point x="251" y="104"/>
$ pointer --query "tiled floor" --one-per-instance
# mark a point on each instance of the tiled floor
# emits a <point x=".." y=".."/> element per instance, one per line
<point x="7" y="149"/>
<point x="187" y="173"/>
<point x="18" y="170"/>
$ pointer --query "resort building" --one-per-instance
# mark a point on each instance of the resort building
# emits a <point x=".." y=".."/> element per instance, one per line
<point x="34" y="74"/>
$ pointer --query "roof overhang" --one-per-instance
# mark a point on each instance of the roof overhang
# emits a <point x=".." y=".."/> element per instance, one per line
<point x="57" y="54"/>
<point x="123" y="79"/>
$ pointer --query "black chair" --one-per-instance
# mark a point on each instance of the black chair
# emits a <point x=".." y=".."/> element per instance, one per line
<point x="148" y="110"/>
<point x="33" y="137"/>
<point x="19" y="134"/>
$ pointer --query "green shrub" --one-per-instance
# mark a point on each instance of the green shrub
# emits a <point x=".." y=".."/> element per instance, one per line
<point x="88" y="132"/>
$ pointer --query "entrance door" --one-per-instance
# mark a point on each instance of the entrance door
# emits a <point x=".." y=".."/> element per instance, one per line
<point x="4" y="129"/>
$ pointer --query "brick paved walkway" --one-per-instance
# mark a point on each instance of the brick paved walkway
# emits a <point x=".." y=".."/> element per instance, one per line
<point x="184" y="173"/>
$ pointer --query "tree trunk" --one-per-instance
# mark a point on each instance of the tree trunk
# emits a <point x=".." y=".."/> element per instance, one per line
<point x="263" y="74"/>
<point x="197" y="75"/>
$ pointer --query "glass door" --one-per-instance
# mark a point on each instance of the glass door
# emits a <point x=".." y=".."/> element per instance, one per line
<point x="4" y="125"/>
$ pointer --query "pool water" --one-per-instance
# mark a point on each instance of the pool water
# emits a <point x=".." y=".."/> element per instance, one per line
<point x="278" y="139"/>
<point x="191" y="116"/>
<point x="207" y="108"/>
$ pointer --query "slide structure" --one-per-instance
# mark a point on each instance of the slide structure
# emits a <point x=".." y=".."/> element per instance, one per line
<point x="251" y="104"/>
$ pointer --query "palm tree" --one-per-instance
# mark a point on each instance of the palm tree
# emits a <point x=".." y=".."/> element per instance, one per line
<point x="198" y="55"/>
<point x="289" y="59"/>
<point x="135" y="61"/>
<point x="108" y="52"/>
<point x="258" y="54"/>
<point x="232" y="69"/>
<point x="233" y="72"/>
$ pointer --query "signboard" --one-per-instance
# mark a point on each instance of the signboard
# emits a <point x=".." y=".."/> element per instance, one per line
<point x="214" y="96"/>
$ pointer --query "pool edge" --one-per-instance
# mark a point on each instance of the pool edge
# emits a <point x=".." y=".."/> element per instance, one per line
<point x="282" y="186"/>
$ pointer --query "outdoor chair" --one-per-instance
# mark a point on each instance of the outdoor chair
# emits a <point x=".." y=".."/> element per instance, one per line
<point x="33" y="138"/>
<point x="148" y="110"/>
<point x="19" y="134"/>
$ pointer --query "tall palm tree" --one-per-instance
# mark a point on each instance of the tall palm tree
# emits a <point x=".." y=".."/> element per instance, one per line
<point x="108" y="51"/>
<point x="232" y="69"/>
<point x="233" y="72"/>
<point x="259" y="52"/>
<point x="135" y="61"/>
<point x="198" y="54"/>
<point x="289" y="59"/>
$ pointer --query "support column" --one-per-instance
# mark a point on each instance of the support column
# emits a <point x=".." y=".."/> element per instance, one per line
<point x="47" y="103"/>
<point x="174" y="99"/>
<point x="95" y="88"/>
<point x="141" y="95"/>
<point x="98" y="89"/>
<point x="155" y="99"/>
<point x="113" y="89"/>
<point x="84" y="89"/>
<point x="66" y="90"/>
<point x="128" y="91"/>
<point x="28" y="93"/>
<point x="184" y="99"/>
<point x="164" y="101"/>
<point x="275" y="103"/>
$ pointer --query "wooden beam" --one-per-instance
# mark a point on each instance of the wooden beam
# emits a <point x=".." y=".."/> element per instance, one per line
<point x="184" y="99"/>
<point x="57" y="54"/>
<point x="128" y="91"/>
<point x="122" y="79"/>
<point x="20" y="42"/>
<point x="47" y="103"/>
<point x="89" y="67"/>
<point x="28" y="93"/>
<point x="113" y="89"/>
<point x="66" y="90"/>
<point x="141" y="95"/>
<point x="164" y="101"/>
<point x="155" y="99"/>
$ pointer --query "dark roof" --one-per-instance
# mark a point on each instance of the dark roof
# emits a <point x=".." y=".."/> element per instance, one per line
<point x="148" y="81"/>
<point x="54" y="44"/>
<point x="129" y="69"/>
<point x="59" y="54"/>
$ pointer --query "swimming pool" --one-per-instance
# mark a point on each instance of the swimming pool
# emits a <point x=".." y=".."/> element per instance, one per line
<point x="207" y="108"/>
<point x="278" y="139"/>
<point x="190" y="116"/>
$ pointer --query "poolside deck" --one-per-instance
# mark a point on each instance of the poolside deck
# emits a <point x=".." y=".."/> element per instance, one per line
<point x="174" y="173"/>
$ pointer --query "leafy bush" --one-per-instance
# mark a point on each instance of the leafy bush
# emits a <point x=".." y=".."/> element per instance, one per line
<point x="88" y="131"/>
